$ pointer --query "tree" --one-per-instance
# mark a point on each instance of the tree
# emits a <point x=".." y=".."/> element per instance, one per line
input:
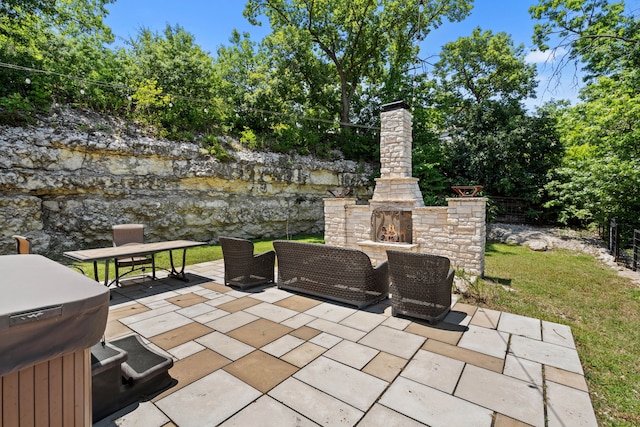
<point x="599" y="174"/>
<point x="270" y="85"/>
<point x="490" y="139"/>
<point x="595" y="32"/>
<point x="60" y="37"/>
<point x="360" y="39"/>
<point x="175" y="78"/>
<point x="13" y="8"/>
<point x="503" y="148"/>
<point x="485" y="66"/>
<point x="238" y="66"/>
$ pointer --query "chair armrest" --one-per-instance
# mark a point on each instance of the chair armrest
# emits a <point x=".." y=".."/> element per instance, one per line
<point x="450" y="276"/>
<point x="264" y="263"/>
<point x="265" y="257"/>
<point x="382" y="275"/>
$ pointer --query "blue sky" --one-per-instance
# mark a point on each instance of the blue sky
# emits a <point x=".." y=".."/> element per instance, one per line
<point x="211" y="22"/>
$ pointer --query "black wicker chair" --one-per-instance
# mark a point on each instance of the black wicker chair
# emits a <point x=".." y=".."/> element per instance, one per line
<point x="339" y="274"/>
<point x="420" y="285"/>
<point x="242" y="268"/>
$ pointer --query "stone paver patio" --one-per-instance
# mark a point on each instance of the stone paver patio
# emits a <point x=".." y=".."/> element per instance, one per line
<point x="267" y="357"/>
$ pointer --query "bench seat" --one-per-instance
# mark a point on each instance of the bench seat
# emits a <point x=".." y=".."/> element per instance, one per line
<point x="340" y="274"/>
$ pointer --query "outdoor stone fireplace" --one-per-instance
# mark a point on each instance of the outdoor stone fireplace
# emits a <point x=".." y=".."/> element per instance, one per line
<point x="396" y="217"/>
<point x="389" y="225"/>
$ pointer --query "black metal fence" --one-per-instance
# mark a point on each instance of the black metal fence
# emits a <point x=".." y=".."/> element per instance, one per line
<point x="623" y="243"/>
<point x="513" y="210"/>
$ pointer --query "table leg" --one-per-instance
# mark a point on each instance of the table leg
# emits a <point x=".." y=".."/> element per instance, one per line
<point x="95" y="271"/>
<point x="106" y="272"/>
<point x="175" y="273"/>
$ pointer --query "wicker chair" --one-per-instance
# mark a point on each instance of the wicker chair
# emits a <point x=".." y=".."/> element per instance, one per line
<point x="420" y="285"/>
<point x="23" y="246"/>
<point x="340" y="274"/>
<point x="242" y="268"/>
<point x="130" y="234"/>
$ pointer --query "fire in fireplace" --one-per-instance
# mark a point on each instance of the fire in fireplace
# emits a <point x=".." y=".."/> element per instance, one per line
<point x="390" y="225"/>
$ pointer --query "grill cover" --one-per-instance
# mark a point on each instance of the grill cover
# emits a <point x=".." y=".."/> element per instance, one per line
<point x="46" y="310"/>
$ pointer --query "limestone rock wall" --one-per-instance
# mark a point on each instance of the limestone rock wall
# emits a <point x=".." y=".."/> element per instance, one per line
<point x="66" y="181"/>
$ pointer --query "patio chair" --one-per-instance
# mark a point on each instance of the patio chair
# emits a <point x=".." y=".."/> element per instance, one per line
<point x="420" y="285"/>
<point x="130" y="234"/>
<point x="23" y="246"/>
<point x="242" y="268"/>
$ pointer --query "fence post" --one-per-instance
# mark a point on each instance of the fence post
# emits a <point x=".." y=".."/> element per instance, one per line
<point x="614" y="235"/>
<point x="636" y="242"/>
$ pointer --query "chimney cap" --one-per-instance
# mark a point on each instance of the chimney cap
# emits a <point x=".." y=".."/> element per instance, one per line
<point x="395" y="105"/>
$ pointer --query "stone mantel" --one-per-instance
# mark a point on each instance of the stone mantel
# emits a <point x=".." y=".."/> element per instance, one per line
<point x="407" y="247"/>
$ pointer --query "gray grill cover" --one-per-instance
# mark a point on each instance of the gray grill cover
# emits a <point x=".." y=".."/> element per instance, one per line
<point x="46" y="310"/>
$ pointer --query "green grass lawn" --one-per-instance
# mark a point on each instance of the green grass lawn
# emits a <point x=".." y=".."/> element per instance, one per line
<point x="602" y="309"/>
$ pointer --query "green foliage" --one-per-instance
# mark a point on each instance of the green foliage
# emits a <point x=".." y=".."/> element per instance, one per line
<point x="173" y="62"/>
<point x="149" y="98"/>
<point x="215" y="148"/>
<point x="429" y="159"/>
<point x="596" y="32"/>
<point x="599" y="176"/>
<point x="353" y="42"/>
<point x="14" y="8"/>
<point x="485" y="66"/>
<point x="60" y="37"/>
<point x="248" y="137"/>
<point x="17" y="110"/>
<point x="600" y="172"/>
<point x="487" y="136"/>
<point x="68" y="40"/>
<point x="359" y="144"/>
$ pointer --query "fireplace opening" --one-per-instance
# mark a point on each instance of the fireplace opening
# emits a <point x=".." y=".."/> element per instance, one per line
<point x="391" y="226"/>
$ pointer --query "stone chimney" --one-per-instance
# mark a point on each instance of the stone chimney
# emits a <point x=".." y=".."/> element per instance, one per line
<point x="396" y="187"/>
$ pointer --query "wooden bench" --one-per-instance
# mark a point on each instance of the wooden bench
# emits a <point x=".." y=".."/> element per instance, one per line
<point x="339" y="274"/>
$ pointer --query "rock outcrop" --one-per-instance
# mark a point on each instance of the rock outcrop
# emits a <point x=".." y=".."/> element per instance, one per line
<point x="68" y="179"/>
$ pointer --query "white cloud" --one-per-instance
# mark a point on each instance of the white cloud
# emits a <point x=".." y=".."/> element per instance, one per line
<point x="546" y="57"/>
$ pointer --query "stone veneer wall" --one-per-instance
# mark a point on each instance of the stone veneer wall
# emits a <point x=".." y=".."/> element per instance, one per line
<point x="457" y="231"/>
<point x="66" y="181"/>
